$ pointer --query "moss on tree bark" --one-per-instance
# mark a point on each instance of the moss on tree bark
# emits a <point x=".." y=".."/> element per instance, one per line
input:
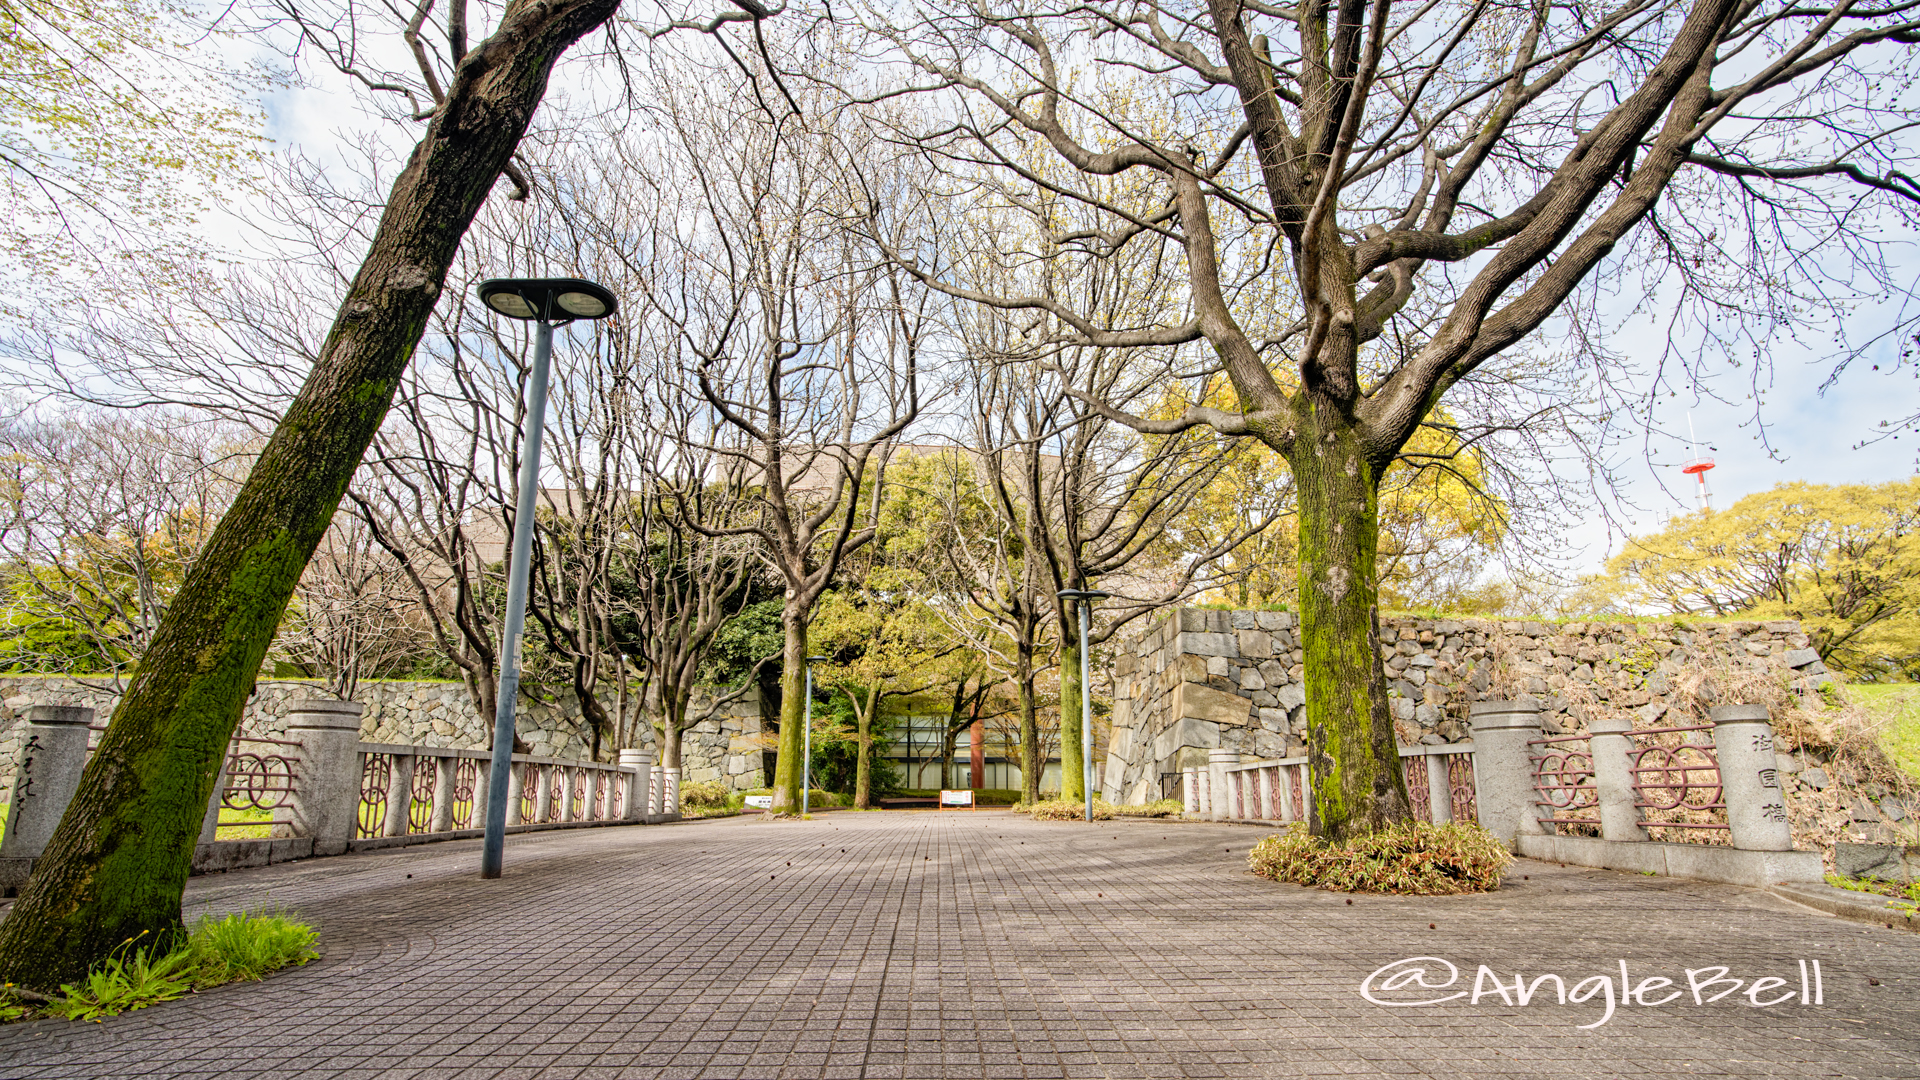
<point x="117" y="865"/>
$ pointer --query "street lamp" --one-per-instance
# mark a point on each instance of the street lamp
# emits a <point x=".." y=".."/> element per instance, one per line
<point x="1086" y="597"/>
<point x="541" y="301"/>
<point x="806" y="767"/>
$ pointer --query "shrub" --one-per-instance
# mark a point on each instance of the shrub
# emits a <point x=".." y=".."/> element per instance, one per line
<point x="1161" y="808"/>
<point x="1066" y="810"/>
<point x="705" y="794"/>
<point x="243" y="947"/>
<point x="1415" y="859"/>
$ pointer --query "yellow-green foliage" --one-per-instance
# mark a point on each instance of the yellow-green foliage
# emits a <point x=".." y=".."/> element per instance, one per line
<point x="1416" y="859"/>
<point x="1844" y="559"/>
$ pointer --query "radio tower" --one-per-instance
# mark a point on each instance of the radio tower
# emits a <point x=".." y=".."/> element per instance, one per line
<point x="1697" y="466"/>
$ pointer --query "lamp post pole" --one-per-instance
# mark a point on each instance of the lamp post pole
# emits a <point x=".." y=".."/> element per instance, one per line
<point x="1085" y="597"/>
<point x="518" y="570"/>
<point x="530" y="300"/>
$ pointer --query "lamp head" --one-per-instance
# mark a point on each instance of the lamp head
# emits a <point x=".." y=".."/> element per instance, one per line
<point x="818" y="659"/>
<point x="547" y="299"/>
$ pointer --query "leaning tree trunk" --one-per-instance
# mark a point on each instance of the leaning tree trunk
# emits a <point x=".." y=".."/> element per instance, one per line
<point x="1353" y="756"/>
<point x="788" y="771"/>
<point x="117" y="865"/>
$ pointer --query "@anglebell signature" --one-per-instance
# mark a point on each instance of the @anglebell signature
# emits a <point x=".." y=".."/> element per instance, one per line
<point x="1424" y="980"/>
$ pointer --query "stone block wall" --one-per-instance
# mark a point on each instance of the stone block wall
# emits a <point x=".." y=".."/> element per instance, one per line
<point x="1195" y="680"/>
<point x="417" y="713"/>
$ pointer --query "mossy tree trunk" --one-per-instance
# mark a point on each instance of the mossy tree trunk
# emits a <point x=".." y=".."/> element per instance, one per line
<point x="1071" y="786"/>
<point x="117" y="865"/>
<point x="788" y="770"/>
<point x="1354" y="761"/>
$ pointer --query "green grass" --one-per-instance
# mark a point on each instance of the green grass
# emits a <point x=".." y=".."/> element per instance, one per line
<point x="242" y="947"/>
<point x="1896" y="708"/>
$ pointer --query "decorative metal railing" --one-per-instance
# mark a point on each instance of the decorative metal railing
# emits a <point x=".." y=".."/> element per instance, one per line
<point x="1563" y="781"/>
<point x="261" y="773"/>
<point x="418" y="789"/>
<point x="1676" y="779"/>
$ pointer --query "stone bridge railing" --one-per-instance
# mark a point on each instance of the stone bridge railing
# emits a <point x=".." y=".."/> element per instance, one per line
<point x="1711" y="793"/>
<point x="325" y="792"/>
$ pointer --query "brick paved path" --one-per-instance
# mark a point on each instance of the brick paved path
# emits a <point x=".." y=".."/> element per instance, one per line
<point x="983" y="945"/>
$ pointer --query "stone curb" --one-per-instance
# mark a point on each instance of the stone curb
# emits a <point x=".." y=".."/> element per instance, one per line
<point x="1846" y="904"/>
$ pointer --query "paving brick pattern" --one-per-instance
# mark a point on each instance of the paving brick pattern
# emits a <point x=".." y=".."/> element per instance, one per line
<point x="977" y="945"/>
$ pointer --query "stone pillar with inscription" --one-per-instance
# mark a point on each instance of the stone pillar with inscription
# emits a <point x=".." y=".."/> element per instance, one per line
<point x="1190" y="790"/>
<point x="53" y="752"/>
<point x="1613" y="778"/>
<point x="1503" y="767"/>
<point x="1749" y="779"/>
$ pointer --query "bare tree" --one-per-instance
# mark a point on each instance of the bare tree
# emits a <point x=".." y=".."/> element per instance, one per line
<point x="353" y="614"/>
<point x="1330" y="176"/>
<point x="801" y="342"/>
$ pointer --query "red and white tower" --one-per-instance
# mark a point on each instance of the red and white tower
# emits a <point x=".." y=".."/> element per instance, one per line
<point x="1697" y="466"/>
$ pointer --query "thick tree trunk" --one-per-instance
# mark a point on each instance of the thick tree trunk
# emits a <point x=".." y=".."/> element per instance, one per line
<point x="946" y="757"/>
<point x="115" y="869"/>
<point x="788" y="772"/>
<point x="863" y="766"/>
<point x="672" y="728"/>
<point x="1357" y="782"/>
<point x="1029" y="730"/>
<point x="1071" y="786"/>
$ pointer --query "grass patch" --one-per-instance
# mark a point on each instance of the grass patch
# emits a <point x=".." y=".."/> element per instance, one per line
<point x="1416" y="859"/>
<point x="1895" y="711"/>
<point x="242" y="947"/>
<point x="1161" y="808"/>
<point x="1065" y="810"/>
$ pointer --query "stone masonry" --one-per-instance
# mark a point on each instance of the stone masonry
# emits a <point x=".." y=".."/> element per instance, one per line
<point x="1195" y="680"/>
<point x="420" y="713"/>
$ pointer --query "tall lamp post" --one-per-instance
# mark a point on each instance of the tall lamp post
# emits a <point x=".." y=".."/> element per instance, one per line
<point x="1085" y="597"/>
<point x="806" y="756"/>
<point x="539" y="301"/>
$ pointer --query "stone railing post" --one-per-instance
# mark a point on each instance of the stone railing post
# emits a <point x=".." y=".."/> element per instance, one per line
<point x="1503" y="769"/>
<point x="670" y="791"/>
<point x="477" y="819"/>
<point x="399" y="796"/>
<point x="1612" y="750"/>
<point x="1190" y="790"/>
<point x="516" y="791"/>
<point x="1217" y="762"/>
<point x="53" y="751"/>
<point x="543" y="793"/>
<point x="442" y="819"/>
<point x="1756" y="807"/>
<point x="210" y="821"/>
<point x="638" y="766"/>
<point x="1267" y="811"/>
<point x="1439" y="790"/>
<point x="326" y="784"/>
<point x="569" y="787"/>
<point x="656" y="789"/>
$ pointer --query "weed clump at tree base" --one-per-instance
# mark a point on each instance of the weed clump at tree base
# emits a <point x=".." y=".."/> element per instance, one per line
<point x="1415" y="859"/>
<point x="241" y="947"/>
